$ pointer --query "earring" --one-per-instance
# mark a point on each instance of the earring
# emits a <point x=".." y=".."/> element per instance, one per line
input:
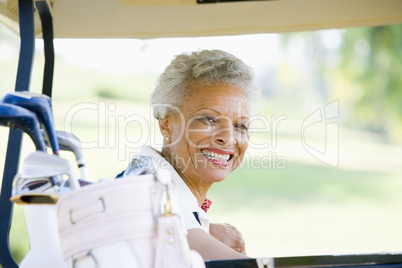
<point x="167" y="139"/>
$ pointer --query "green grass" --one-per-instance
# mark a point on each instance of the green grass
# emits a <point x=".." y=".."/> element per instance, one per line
<point x="311" y="210"/>
<point x="307" y="183"/>
<point x="19" y="244"/>
<point x="71" y="84"/>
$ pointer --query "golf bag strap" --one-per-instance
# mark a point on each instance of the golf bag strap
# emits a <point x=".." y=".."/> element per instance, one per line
<point x="171" y="243"/>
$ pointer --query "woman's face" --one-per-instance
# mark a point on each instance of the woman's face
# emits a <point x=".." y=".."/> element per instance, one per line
<point x="209" y="135"/>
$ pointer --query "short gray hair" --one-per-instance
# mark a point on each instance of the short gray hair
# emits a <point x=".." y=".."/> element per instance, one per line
<point x="209" y="66"/>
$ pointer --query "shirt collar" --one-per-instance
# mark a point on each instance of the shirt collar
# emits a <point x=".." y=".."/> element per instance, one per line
<point x="180" y="185"/>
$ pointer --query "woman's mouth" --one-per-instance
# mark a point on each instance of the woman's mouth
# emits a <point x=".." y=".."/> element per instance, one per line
<point x="217" y="156"/>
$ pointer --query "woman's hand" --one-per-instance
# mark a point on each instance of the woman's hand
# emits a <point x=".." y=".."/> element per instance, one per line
<point x="209" y="247"/>
<point x="228" y="235"/>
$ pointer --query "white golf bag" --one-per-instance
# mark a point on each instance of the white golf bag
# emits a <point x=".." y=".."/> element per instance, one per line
<point x="129" y="222"/>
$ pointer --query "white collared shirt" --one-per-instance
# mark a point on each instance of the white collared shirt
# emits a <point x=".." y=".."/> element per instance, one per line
<point x="189" y="207"/>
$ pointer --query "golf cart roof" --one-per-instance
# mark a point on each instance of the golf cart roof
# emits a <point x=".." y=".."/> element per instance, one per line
<point x="181" y="18"/>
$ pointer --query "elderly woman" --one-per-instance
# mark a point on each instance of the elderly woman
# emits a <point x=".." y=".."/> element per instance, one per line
<point x="203" y="102"/>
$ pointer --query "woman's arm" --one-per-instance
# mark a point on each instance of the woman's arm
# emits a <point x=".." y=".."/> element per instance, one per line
<point x="209" y="247"/>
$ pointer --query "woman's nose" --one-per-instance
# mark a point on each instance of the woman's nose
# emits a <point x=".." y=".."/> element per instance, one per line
<point x="224" y="136"/>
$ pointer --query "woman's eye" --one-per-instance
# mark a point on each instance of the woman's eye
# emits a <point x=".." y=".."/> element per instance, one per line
<point x="207" y="120"/>
<point x="241" y="127"/>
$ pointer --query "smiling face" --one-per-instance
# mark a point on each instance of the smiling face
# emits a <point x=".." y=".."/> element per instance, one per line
<point x="209" y="135"/>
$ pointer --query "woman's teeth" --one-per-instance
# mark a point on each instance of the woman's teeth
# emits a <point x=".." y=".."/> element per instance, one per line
<point x="215" y="156"/>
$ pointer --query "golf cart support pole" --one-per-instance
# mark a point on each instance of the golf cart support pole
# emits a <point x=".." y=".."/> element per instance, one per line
<point x="46" y="19"/>
<point x="27" y="35"/>
<point x="27" y="47"/>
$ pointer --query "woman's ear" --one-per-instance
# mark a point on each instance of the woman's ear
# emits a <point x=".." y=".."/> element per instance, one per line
<point x="165" y="127"/>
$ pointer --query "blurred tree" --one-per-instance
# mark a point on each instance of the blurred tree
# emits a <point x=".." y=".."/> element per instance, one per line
<point x="372" y="64"/>
<point x="360" y="67"/>
<point x="308" y="62"/>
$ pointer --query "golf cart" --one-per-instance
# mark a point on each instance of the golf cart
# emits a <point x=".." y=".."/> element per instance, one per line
<point x="180" y="18"/>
